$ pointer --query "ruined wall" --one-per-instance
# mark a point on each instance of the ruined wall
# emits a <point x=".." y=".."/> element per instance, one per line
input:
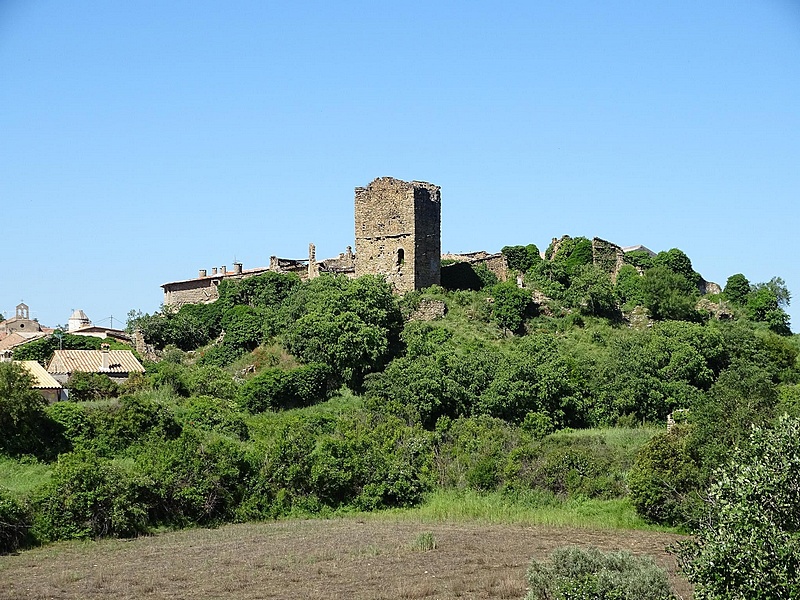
<point x="398" y="232"/>
<point x="607" y="256"/>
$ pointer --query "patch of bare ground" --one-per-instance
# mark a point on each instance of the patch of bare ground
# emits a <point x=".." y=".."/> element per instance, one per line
<point x="354" y="559"/>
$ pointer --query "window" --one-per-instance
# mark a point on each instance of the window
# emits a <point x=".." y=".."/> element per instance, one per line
<point x="401" y="257"/>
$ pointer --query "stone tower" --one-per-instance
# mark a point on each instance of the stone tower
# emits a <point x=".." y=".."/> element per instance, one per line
<point x="398" y="232"/>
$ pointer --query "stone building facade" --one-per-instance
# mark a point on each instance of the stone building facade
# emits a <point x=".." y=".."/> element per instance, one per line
<point x="398" y="232"/>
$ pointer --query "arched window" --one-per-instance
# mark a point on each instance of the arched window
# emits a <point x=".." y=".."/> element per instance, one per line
<point x="401" y="257"/>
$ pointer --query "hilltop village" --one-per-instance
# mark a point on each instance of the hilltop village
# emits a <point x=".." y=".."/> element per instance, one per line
<point x="398" y="236"/>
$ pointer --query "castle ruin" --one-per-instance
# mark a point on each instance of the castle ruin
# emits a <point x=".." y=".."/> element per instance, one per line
<point x="398" y="232"/>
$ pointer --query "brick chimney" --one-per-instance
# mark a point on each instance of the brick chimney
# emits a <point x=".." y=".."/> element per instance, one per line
<point x="104" y="361"/>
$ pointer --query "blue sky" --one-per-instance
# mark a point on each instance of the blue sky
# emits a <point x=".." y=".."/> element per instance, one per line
<point x="142" y="141"/>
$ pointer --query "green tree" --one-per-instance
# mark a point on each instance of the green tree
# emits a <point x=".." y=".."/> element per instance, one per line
<point x="592" y="292"/>
<point x="764" y="305"/>
<point x="669" y="295"/>
<point x="676" y="261"/>
<point x="521" y="258"/>
<point x="629" y="287"/>
<point x="736" y="289"/>
<point x="509" y="305"/>
<point x="22" y="411"/>
<point x="749" y="546"/>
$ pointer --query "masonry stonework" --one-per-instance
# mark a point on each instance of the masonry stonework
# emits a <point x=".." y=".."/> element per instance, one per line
<point x="398" y="232"/>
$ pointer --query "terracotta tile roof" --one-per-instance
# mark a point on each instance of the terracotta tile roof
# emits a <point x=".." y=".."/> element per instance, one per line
<point x="91" y="361"/>
<point x="42" y="379"/>
<point x="12" y="340"/>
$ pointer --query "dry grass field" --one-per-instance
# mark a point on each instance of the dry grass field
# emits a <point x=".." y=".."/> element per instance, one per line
<point x="352" y="559"/>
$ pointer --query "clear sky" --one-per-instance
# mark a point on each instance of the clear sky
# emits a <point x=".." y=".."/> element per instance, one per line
<point x="142" y="141"/>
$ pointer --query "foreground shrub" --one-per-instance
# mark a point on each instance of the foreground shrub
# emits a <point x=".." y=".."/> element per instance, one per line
<point x="88" y="497"/>
<point x="666" y="479"/>
<point x="578" y="574"/>
<point x="276" y="389"/>
<point x="15" y="522"/>
<point x="195" y="479"/>
<point x="749" y="545"/>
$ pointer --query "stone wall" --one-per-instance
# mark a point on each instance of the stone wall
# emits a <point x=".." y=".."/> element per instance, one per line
<point x="398" y="232"/>
<point x="496" y="263"/>
<point x="607" y="256"/>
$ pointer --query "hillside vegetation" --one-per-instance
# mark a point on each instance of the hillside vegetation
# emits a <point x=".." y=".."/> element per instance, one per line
<point x="307" y="398"/>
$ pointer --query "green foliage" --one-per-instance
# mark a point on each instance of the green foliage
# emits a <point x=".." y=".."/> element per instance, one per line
<point x="350" y="325"/>
<point x="23" y="422"/>
<point x="427" y="387"/>
<point x="91" y="386"/>
<point x="592" y="292"/>
<point x="42" y="350"/>
<point x="187" y="328"/>
<point x="629" y="287"/>
<point x="763" y="305"/>
<point x="268" y="290"/>
<point x="569" y="466"/>
<point x="213" y="414"/>
<point x="15" y="522"/>
<point x="521" y="258"/>
<point x="548" y="277"/>
<point x="88" y="497"/>
<point x="748" y="547"/>
<point x="666" y="479"/>
<point x="276" y="389"/>
<point x="573" y="253"/>
<point x="650" y="373"/>
<point x="736" y="289"/>
<point x="677" y="262"/>
<point x="531" y="376"/>
<point x="425" y="542"/>
<point x="471" y="451"/>
<point x="510" y="304"/>
<point x="639" y="258"/>
<point x="196" y="478"/>
<point x="669" y="295"/>
<point x="578" y="574"/>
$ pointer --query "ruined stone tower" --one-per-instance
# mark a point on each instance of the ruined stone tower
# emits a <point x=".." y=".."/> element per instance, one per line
<point x="398" y="232"/>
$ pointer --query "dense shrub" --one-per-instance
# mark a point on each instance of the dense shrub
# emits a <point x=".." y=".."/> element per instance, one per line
<point x="197" y="478"/>
<point x="578" y="574"/>
<point x="91" y="386"/>
<point x="510" y="305"/>
<point x="665" y="481"/>
<point x="89" y="497"/>
<point x="747" y="547"/>
<point x="276" y="389"/>
<point x="15" y="522"/>
<point x="521" y="258"/>
<point x="213" y="414"/>
<point x="568" y="466"/>
<point x="24" y="426"/>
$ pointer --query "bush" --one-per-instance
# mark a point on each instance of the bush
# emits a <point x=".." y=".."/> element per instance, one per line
<point x="748" y="546"/>
<point x="213" y="414"/>
<point x="23" y="422"/>
<point x="276" y="389"/>
<point x="15" y="522"/>
<point x="195" y="479"/>
<point x="91" y="386"/>
<point x="578" y="574"/>
<point x="88" y="497"/>
<point x="665" y="481"/>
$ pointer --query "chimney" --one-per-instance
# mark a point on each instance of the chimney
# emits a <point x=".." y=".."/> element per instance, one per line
<point x="213" y="270"/>
<point x="202" y="273"/>
<point x="237" y="268"/>
<point x="223" y="269"/>
<point x="104" y="357"/>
